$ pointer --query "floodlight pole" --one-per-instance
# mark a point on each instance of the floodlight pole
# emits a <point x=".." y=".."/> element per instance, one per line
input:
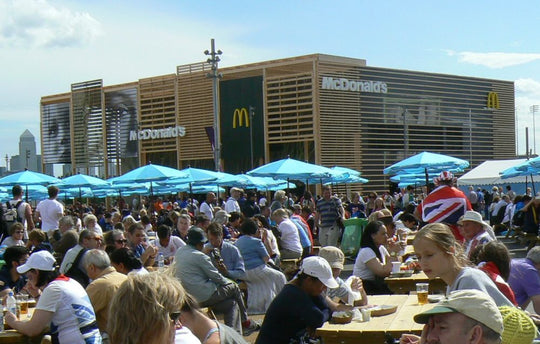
<point x="213" y="60"/>
<point x="534" y="110"/>
<point x="251" y="115"/>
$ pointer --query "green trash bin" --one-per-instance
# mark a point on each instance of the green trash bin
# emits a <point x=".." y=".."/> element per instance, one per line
<point x="350" y="242"/>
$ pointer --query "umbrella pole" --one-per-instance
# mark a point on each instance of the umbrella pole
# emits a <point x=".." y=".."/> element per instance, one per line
<point x="26" y="194"/>
<point x="191" y="197"/>
<point x="532" y="182"/>
<point x="427" y="181"/>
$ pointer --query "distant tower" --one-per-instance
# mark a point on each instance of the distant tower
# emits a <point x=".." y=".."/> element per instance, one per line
<point x="27" y="157"/>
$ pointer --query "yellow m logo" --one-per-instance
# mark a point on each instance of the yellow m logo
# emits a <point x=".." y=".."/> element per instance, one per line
<point x="493" y="100"/>
<point x="241" y="115"/>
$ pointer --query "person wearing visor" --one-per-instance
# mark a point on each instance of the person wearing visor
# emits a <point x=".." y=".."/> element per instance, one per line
<point x="300" y="308"/>
<point x="63" y="304"/>
<point x="465" y="316"/>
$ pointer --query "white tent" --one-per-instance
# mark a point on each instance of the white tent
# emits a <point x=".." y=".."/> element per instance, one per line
<point x="487" y="174"/>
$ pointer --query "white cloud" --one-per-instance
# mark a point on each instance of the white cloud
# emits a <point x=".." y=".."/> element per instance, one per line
<point x="494" y="60"/>
<point x="37" y="23"/>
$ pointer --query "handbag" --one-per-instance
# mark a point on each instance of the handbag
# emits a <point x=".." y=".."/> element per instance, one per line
<point x="339" y="218"/>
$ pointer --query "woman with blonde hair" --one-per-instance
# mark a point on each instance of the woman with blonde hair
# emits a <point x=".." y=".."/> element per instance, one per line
<point x="280" y="200"/>
<point x="146" y="310"/>
<point x="440" y="255"/>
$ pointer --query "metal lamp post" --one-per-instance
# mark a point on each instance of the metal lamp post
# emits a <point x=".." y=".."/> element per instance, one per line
<point x="215" y="76"/>
<point x="534" y="110"/>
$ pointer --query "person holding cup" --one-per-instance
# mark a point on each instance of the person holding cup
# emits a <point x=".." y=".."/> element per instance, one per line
<point x="440" y="255"/>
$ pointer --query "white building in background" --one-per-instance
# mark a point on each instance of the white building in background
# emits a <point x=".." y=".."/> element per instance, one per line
<point x="27" y="158"/>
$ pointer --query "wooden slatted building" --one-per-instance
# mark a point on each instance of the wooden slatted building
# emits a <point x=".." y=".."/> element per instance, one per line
<point x="323" y="109"/>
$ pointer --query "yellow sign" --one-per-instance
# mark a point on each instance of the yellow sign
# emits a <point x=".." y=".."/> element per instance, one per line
<point x="493" y="100"/>
<point x="241" y="114"/>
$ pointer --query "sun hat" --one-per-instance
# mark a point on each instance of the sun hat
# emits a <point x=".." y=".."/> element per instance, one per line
<point x="195" y="235"/>
<point x="472" y="303"/>
<point x="221" y="216"/>
<point x="518" y="326"/>
<point x="318" y="267"/>
<point x="475" y="216"/>
<point x="41" y="260"/>
<point x="333" y="255"/>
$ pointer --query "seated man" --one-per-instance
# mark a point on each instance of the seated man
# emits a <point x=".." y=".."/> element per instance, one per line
<point x="525" y="279"/>
<point x="475" y="231"/>
<point x="300" y="308"/>
<point x="166" y="243"/>
<point x="10" y="279"/>
<point x="201" y="279"/>
<point x="105" y="282"/>
<point x="465" y="316"/>
<point x="225" y="256"/>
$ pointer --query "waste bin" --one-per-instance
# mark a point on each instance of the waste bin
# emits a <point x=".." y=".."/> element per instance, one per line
<point x="352" y="234"/>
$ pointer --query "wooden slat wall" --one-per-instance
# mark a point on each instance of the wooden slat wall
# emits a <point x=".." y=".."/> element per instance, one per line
<point x="157" y="111"/>
<point x="195" y="111"/>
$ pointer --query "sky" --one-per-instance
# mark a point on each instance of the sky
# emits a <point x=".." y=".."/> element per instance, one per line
<point x="45" y="46"/>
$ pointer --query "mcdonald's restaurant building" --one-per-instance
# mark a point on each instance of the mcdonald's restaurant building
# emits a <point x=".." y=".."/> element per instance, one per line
<point x="323" y="109"/>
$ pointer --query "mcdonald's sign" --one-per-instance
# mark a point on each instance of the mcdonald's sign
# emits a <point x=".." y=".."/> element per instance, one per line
<point x="493" y="100"/>
<point x="242" y="115"/>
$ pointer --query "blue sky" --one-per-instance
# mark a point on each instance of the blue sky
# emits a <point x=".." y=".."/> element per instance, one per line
<point x="45" y="46"/>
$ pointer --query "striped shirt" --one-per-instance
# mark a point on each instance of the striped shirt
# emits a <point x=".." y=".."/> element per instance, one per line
<point x="328" y="211"/>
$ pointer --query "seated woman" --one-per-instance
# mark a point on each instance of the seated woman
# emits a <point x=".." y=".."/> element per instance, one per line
<point x="161" y="297"/>
<point x="494" y="259"/>
<point x="15" y="238"/>
<point x="373" y="262"/>
<point x="90" y="222"/>
<point x="208" y="331"/>
<point x="440" y="255"/>
<point x="267" y="237"/>
<point x="37" y="241"/>
<point x="63" y="304"/>
<point x="263" y="282"/>
<point x="114" y="240"/>
<point x="291" y="248"/>
<point x="124" y="261"/>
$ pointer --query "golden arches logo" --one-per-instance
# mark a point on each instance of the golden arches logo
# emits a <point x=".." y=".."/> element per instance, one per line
<point x="493" y="100"/>
<point x="242" y="115"/>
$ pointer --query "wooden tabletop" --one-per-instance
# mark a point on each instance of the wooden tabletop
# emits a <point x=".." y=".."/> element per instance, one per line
<point x="12" y="336"/>
<point x="375" y="330"/>
<point x="405" y="285"/>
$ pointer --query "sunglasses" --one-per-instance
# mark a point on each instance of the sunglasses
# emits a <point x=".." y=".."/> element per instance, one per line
<point x="121" y="241"/>
<point x="175" y="316"/>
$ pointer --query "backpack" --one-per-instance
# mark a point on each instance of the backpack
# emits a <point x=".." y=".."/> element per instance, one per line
<point x="76" y="273"/>
<point x="519" y="218"/>
<point x="11" y="215"/>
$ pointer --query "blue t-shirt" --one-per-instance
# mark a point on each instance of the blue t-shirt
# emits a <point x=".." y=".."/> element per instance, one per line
<point x="252" y="250"/>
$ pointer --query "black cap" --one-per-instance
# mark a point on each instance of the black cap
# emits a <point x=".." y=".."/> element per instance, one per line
<point x="195" y="235"/>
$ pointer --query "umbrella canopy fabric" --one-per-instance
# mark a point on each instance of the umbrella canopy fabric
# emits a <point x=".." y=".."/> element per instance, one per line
<point x="348" y="180"/>
<point x="433" y="162"/>
<point x="350" y="171"/>
<point x="246" y="181"/>
<point x="195" y="175"/>
<point x="520" y="170"/>
<point x="83" y="180"/>
<point x="149" y="173"/>
<point x="292" y="169"/>
<point x="28" y="178"/>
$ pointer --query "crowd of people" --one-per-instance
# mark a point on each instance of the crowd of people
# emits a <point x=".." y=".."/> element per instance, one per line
<point x="106" y="275"/>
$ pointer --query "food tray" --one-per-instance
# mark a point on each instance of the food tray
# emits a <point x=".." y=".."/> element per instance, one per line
<point x="403" y="273"/>
<point x="379" y="311"/>
<point x="341" y="317"/>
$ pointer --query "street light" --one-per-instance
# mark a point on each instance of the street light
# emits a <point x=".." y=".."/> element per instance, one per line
<point x="215" y="76"/>
<point x="534" y="110"/>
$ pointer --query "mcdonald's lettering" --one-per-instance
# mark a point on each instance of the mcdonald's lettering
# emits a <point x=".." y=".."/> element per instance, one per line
<point x="242" y="115"/>
<point x="493" y="100"/>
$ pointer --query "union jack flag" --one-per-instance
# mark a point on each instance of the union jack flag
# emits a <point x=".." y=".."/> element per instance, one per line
<point x="445" y="204"/>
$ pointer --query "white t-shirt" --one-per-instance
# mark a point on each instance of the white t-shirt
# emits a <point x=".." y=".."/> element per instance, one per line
<point x="232" y="205"/>
<point x="184" y="336"/>
<point x="365" y="255"/>
<point x="9" y="241"/>
<point x="207" y="210"/>
<point x="174" y="244"/>
<point x="72" y="310"/>
<point x="290" y="239"/>
<point x="50" y="211"/>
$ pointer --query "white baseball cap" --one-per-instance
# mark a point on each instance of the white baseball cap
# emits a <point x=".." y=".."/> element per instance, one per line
<point x="41" y="260"/>
<point x="318" y="267"/>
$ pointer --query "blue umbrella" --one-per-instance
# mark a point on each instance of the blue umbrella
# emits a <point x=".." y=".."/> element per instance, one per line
<point x="522" y="170"/>
<point x="433" y="162"/>
<point x="28" y="178"/>
<point x="83" y="181"/>
<point x="291" y="169"/>
<point x="149" y="173"/>
<point x="350" y="171"/>
<point x="246" y="181"/>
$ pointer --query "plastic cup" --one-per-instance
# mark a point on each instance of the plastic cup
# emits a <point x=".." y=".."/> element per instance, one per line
<point x="22" y="299"/>
<point x="422" y="290"/>
<point x="396" y="267"/>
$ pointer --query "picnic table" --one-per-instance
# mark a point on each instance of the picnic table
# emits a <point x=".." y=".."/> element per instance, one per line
<point x="378" y="328"/>
<point x="405" y="285"/>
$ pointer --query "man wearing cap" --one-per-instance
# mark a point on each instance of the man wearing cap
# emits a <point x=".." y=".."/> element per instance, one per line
<point x="475" y="231"/>
<point x="300" y="308"/>
<point x="464" y="317"/>
<point x="232" y="202"/>
<point x="444" y="204"/>
<point x="208" y="286"/>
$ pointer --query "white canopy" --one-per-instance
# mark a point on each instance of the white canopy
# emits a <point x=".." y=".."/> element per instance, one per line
<point x="487" y="173"/>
